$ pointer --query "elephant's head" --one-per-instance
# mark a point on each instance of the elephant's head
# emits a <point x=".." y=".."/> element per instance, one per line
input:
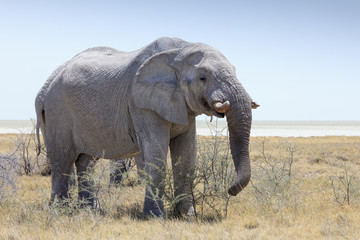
<point x="194" y="80"/>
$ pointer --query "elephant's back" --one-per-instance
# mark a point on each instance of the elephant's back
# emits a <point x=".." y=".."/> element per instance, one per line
<point x="100" y="50"/>
<point x="95" y="66"/>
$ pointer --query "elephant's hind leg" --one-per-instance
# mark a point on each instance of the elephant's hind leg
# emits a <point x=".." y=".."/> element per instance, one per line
<point x="119" y="167"/>
<point x="61" y="165"/>
<point x="84" y="167"/>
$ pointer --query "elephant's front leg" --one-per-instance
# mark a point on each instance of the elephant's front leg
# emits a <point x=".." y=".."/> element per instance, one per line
<point x="183" y="155"/>
<point x="153" y="134"/>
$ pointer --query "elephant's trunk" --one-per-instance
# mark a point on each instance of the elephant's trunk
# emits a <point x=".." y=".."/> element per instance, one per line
<point x="239" y="123"/>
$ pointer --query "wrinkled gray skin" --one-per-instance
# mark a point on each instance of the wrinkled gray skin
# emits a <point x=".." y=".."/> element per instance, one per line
<point x="110" y="104"/>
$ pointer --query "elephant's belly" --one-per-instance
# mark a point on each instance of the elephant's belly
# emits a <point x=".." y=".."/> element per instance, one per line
<point x="114" y="144"/>
<point x="110" y="152"/>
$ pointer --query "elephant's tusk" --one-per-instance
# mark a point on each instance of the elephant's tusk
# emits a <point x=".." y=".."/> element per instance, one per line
<point x="221" y="107"/>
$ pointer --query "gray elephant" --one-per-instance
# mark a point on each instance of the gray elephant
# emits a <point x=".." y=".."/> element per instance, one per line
<point x="121" y="167"/>
<point x="112" y="104"/>
<point x="118" y="168"/>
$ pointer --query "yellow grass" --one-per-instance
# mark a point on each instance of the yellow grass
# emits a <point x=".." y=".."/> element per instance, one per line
<point x="6" y="142"/>
<point x="306" y="210"/>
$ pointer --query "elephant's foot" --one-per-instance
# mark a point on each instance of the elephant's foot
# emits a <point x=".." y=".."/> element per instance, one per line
<point x="87" y="203"/>
<point x="86" y="199"/>
<point x="153" y="208"/>
<point x="190" y="212"/>
<point x="59" y="200"/>
<point x="148" y="213"/>
<point x="116" y="179"/>
<point x="185" y="209"/>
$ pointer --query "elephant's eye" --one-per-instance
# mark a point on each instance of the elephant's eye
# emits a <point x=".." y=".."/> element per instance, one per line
<point x="203" y="79"/>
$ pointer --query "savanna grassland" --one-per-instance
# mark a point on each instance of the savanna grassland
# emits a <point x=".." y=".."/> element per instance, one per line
<point x="301" y="188"/>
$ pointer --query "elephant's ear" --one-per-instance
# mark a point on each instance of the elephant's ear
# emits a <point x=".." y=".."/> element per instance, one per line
<point x="156" y="87"/>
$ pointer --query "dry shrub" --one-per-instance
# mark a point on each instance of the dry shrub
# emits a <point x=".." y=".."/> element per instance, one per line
<point x="27" y="161"/>
<point x="275" y="185"/>
<point x="7" y="178"/>
<point x="346" y="185"/>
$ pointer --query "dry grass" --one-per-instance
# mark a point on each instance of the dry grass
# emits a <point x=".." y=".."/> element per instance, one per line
<point x="299" y="190"/>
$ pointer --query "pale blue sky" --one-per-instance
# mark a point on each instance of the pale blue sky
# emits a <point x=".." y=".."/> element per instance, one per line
<point x="299" y="59"/>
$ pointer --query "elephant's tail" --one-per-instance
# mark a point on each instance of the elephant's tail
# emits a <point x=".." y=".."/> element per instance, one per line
<point x="40" y="118"/>
<point x="38" y="146"/>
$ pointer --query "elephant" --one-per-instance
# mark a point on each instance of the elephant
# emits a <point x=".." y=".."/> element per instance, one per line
<point x="121" y="166"/>
<point x="113" y="104"/>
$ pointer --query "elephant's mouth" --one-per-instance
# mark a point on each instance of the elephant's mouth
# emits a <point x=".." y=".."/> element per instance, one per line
<point x="209" y="111"/>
